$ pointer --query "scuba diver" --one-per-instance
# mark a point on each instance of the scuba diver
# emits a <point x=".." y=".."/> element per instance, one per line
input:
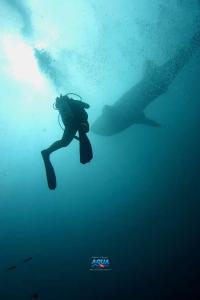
<point x="75" y="119"/>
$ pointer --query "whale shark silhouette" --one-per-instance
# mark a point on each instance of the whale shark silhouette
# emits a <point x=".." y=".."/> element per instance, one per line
<point x="129" y="109"/>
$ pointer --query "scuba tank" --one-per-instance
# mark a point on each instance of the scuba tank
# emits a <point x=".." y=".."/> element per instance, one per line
<point x="61" y="104"/>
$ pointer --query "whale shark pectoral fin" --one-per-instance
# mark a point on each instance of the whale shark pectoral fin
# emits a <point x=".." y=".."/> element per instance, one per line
<point x="147" y="121"/>
<point x="149" y="67"/>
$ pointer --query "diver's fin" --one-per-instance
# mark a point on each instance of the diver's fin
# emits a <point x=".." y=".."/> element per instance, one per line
<point x="149" y="67"/>
<point x="147" y="121"/>
<point x="86" y="153"/>
<point x="50" y="173"/>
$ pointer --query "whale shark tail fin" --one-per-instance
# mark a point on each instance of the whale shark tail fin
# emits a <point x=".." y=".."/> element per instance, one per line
<point x="143" y="119"/>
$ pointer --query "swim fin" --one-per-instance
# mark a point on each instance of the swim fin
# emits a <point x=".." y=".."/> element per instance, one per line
<point x="50" y="173"/>
<point x="85" y="148"/>
<point x="143" y="119"/>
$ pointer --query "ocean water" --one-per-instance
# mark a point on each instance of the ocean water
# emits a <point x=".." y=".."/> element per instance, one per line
<point x="137" y="201"/>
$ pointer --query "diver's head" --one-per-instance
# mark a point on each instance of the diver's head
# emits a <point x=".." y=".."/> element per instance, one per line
<point x="61" y="102"/>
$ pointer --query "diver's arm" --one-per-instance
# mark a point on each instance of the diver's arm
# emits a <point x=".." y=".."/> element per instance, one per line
<point x="84" y="105"/>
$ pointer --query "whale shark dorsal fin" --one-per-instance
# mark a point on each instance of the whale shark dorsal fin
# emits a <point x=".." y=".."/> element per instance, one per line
<point x="149" y="67"/>
<point x="143" y="119"/>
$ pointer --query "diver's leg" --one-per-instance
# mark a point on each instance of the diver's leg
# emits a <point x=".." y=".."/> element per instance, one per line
<point x="67" y="137"/>
<point x="86" y="153"/>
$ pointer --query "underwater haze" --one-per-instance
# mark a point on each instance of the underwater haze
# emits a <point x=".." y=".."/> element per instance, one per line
<point x="137" y="201"/>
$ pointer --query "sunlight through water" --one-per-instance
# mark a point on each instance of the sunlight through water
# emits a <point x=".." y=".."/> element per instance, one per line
<point x="21" y="63"/>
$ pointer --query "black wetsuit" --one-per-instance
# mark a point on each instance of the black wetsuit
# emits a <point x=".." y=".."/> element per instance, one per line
<point x="75" y="118"/>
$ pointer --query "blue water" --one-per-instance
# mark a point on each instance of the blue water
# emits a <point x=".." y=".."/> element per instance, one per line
<point x="137" y="201"/>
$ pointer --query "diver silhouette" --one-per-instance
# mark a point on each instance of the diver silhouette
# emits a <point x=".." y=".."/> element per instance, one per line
<point x="75" y="119"/>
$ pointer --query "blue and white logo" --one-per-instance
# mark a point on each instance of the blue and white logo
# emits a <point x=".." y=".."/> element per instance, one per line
<point x="100" y="263"/>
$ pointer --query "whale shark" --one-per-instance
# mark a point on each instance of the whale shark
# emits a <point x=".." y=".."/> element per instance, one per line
<point x="129" y="108"/>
